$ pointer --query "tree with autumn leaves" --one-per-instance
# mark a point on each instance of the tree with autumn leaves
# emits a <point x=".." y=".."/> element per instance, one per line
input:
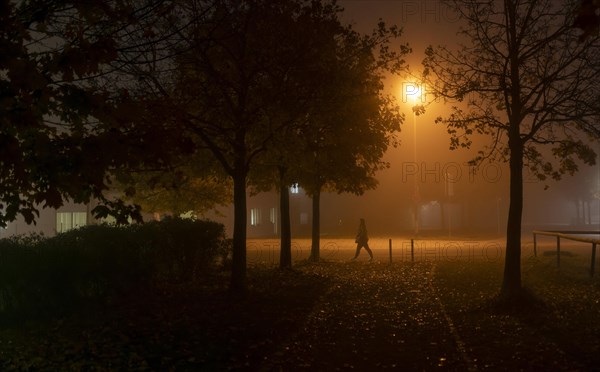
<point x="88" y="89"/>
<point x="57" y="117"/>
<point x="527" y="78"/>
<point x="92" y="91"/>
<point x="253" y="79"/>
<point x="344" y="139"/>
<point x="337" y="142"/>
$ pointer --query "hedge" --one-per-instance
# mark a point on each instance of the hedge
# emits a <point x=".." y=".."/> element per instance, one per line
<point x="48" y="276"/>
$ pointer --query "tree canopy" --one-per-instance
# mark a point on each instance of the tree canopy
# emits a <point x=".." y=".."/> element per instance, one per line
<point x="192" y="185"/>
<point x="63" y="126"/>
<point x="91" y="91"/>
<point x="337" y="142"/>
<point x="528" y="81"/>
<point x="345" y="135"/>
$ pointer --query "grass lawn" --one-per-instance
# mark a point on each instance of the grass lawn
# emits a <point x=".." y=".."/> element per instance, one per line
<point x="559" y="332"/>
<point x="335" y="315"/>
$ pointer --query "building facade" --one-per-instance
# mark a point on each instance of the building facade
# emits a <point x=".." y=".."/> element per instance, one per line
<point x="52" y="221"/>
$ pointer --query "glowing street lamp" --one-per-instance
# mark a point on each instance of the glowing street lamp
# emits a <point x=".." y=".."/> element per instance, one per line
<point x="413" y="92"/>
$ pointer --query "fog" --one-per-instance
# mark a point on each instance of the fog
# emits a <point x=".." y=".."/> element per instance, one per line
<point x="454" y="196"/>
<point x="477" y="202"/>
<point x="455" y="199"/>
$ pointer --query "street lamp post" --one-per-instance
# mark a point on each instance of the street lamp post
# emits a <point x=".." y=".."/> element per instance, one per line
<point x="415" y="95"/>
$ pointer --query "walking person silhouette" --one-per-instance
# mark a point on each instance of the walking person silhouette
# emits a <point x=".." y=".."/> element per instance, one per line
<point x="362" y="240"/>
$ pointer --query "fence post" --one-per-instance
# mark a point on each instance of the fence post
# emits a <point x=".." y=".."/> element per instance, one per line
<point x="390" y="251"/>
<point x="557" y="251"/>
<point x="412" y="250"/>
<point x="534" y="244"/>
<point x="593" y="259"/>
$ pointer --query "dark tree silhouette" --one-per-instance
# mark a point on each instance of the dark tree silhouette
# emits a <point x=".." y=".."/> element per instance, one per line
<point x="232" y="84"/>
<point x="59" y="124"/>
<point x="345" y="125"/>
<point x="347" y="132"/>
<point x="526" y="79"/>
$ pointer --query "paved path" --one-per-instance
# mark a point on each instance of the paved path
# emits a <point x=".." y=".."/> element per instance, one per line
<point x="374" y="316"/>
<point x="266" y="251"/>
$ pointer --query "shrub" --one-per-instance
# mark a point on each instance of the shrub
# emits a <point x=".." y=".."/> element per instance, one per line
<point x="52" y="275"/>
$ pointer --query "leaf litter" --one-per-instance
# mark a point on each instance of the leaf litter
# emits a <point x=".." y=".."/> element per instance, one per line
<point x="327" y="316"/>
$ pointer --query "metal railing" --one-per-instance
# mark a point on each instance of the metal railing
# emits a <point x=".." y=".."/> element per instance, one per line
<point x="570" y="235"/>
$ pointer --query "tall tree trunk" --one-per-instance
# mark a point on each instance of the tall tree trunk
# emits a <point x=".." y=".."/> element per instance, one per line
<point x="511" y="285"/>
<point x="315" y="250"/>
<point x="238" y="272"/>
<point x="285" y="256"/>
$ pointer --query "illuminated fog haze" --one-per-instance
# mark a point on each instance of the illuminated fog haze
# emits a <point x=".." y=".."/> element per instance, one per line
<point x="456" y="199"/>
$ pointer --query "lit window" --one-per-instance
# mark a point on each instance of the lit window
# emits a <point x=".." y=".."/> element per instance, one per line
<point x="295" y="189"/>
<point x="255" y="216"/>
<point x="66" y="221"/>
